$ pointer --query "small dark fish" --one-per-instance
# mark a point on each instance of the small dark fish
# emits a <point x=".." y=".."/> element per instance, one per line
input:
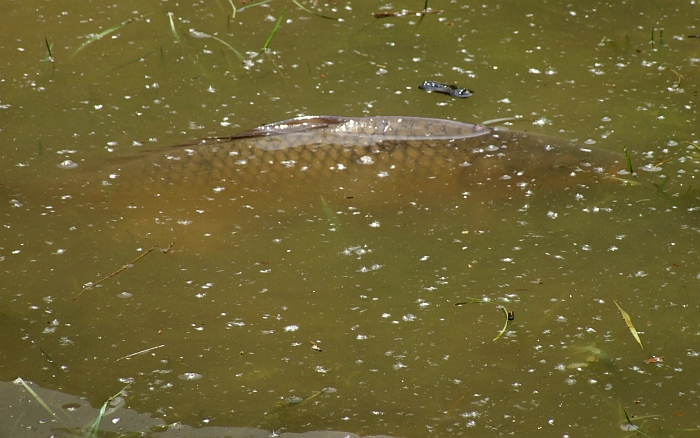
<point x="693" y="36"/>
<point x="452" y="90"/>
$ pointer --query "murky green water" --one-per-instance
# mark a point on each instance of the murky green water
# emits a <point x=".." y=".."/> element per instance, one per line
<point x="244" y="293"/>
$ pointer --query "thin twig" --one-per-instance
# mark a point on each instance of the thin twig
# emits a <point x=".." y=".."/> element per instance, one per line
<point x="139" y="352"/>
<point x="128" y="265"/>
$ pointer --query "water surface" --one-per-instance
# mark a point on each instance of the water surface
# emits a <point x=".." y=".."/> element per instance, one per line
<point x="243" y="296"/>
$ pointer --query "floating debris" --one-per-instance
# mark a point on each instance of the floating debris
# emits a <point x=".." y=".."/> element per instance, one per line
<point x="654" y="359"/>
<point x="452" y="90"/>
<point x="404" y="12"/>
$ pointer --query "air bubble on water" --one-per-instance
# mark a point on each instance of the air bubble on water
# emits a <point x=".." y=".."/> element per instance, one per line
<point x="651" y="168"/>
<point x="68" y="164"/>
<point x="124" y="295"/>
<point x="189" y="376"/>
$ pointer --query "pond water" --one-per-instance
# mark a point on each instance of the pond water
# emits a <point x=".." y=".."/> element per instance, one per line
<point x="335" y="314"/>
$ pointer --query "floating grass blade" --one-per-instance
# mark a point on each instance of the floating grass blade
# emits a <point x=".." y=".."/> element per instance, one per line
<point x="93" y="428"/>
<point x="629" y="161"/>
<point x="472" y="301"/>
<point x="633" y="427"/>
<point x="425" y="10"/>
<point x="48" y="48"/>
<point x="660" y="187"/>
<point x="304" y="8"/>
<point x="628" y="181"/>
<point x="197" y="34"/>
<point x="243" y="8"/>
<point x="680" y="77"/>
<point x="104" y="33"/>
<point x="330" y="214"/>
<point x="628" y="321"/>
<point x="233" y="9"/>
<point x="505" y="326"/>
<point x="172" y="28"/>
<point x="36" y="397"/>
<point x="274" y="31"/>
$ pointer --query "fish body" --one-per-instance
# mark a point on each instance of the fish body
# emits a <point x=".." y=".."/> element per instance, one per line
<point x="290" y="169"/>
<point x="364" y="155"/>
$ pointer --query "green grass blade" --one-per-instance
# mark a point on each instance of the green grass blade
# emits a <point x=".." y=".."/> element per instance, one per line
<point x="48" y="48"/>
<point x="274" y="31"/>
<point x="172" y="28"/>
<point x="233" y="9"/>
<point x="425" y="9"/>
<point x="304" y="8"/>
<point x="330" y="214"/>
<point x="198" y="34"/>
<point x="104" y="33"/>
<point x="243" y="8"/>
<point x="629" y="161"/>
<point x="93" y="428"/>
<point x="628" y="181"/>
<point x="238" y="54"/>
<point x="36" y="397"/>
<point x="472" y="301"/>
<point x="505" y="326"/>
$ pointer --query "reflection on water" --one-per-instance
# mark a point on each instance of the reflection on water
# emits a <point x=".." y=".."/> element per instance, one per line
<point x="270" y="297"/>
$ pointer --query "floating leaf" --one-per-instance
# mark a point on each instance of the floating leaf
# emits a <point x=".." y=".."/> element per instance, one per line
<point x="628" y="321"/>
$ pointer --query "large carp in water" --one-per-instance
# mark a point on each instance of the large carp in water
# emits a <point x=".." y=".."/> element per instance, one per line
<point x="375" y="157"/>
<point x="294" y="166"/>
